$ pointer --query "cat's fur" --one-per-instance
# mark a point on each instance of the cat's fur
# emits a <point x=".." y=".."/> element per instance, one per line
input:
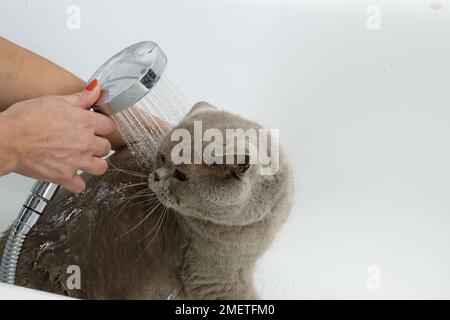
<point x="201" y="243"/>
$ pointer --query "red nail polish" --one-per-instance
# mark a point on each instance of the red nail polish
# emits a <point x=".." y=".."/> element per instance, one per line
<point x="92" y="85"/>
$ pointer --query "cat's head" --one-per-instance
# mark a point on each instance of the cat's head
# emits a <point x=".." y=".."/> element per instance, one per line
<point x="225" y="188"/>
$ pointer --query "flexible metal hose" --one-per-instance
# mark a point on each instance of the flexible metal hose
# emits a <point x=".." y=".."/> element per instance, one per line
<point x="11" y="257"/>
<point x="11" y="254"/>
<point x="41" y="194"/>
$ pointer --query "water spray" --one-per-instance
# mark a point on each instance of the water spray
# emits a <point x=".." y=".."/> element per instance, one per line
<point x="125" y="79"/>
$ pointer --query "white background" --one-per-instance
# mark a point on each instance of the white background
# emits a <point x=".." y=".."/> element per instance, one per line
<point x="364" y="115"/>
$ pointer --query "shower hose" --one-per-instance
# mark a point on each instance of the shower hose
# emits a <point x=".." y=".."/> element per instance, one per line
<point x="41" y="194"/>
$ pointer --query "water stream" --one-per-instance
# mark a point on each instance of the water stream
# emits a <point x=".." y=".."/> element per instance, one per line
<point x="143" y="124"/>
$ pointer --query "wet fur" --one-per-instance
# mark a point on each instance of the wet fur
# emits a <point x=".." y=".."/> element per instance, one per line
<point x="168" y="254"/>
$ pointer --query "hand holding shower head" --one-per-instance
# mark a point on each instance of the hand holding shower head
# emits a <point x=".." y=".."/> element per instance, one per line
<point x="125" y="79"/>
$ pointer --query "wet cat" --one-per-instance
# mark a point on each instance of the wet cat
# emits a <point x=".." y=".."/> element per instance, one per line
<point x="184" y="231"/>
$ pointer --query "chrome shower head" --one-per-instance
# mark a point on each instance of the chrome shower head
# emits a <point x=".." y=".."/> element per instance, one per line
<point x="128" y="76"/>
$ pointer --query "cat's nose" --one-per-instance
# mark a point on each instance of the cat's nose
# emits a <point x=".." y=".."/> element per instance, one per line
<point x="156" y="177"/>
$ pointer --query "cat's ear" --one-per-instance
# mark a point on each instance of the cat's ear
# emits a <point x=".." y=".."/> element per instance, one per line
<point x="201" y="107"/>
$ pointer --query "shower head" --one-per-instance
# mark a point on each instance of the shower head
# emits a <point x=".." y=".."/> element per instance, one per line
<point x="128" y="76"/>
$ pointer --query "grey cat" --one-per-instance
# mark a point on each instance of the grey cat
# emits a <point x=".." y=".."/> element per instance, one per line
<point x="186" y="231"/>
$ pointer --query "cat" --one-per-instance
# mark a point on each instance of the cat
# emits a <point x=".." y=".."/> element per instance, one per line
<point x="165" y="231"/>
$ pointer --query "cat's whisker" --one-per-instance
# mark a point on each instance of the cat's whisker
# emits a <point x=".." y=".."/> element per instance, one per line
<point x="159" y="223"/>
<point x="140" y="193"/>
<point x="145" y="218"/>
<point x="131" y="203"/>
<point x="137" y="195"/>
<point x="147" y="195"/>
<point x="129" y="172"/>
<point x="165" y="209"/>
<point x="145" y="202"/>
<point x="132" y="185"/>
<point x="153" y="228"/>
<point x="126" y="200"/>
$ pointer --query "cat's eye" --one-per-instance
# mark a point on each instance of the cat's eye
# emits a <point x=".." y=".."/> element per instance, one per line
<point x="180" y="175"/>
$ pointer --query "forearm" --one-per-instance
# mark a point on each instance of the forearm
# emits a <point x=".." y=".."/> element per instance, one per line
<point x="8" y="157"/>
<point x="25" y="75"/>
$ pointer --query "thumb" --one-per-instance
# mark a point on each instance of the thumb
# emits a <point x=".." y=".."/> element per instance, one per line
<point x="86" y="98"/>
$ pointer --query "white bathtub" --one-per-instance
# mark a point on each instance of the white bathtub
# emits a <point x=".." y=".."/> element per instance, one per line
<point x="363" y="113"/>
<point x="11" y="292"/>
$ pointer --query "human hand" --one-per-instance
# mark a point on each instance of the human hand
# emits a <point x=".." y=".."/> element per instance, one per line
<point x="51" y="137"/>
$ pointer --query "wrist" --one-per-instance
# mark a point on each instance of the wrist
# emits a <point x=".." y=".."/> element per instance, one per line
<point x="8" y="152"/>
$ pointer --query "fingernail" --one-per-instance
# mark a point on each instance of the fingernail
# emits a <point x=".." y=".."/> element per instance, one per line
<point x="92" y="85"/>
